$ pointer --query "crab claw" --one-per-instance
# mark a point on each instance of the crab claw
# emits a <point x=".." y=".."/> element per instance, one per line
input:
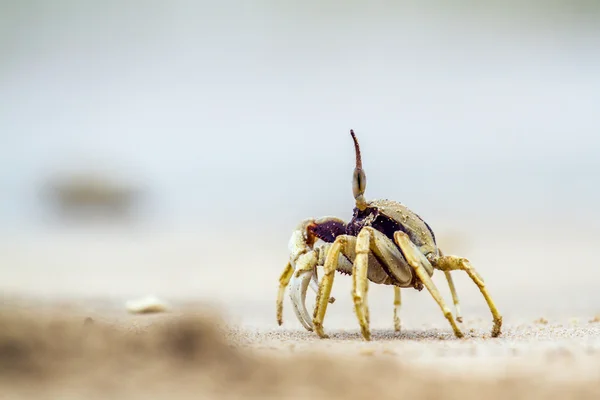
<point x="301" y="278"/>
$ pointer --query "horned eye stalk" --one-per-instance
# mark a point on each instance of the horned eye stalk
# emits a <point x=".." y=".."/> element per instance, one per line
<point x="359" y="179"/>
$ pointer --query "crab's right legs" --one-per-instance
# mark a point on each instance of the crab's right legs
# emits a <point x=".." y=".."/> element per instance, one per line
<point x="397" y="303"/>
<point x="454" y="295"/>
<point x="417" y="260"/>
<point x="448" y="263"/>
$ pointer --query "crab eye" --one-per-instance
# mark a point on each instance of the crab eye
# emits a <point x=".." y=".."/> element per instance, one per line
<point x="359" y="182"/>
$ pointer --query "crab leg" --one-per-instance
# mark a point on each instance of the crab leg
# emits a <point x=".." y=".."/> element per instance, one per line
<point x="304" y="260"/>
<point x="284" y="280"/>
<point x="433" y="261"/>
<point x="417" y="260"/>
<point x="298" y="301"/>
<point x="449" y="263"/>
<point x="454" y="295"/>
<point x="397" y="303"/>
<point x="314" y="283"/>
<point x="360" y="283"/>
<point x="325" y="287"/>
<point x="371" y="241"/>
<point x="332" y="259"/>
<point x="299" y="274"/>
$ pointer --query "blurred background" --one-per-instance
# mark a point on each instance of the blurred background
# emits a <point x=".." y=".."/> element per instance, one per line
<point x="172" y="147"/>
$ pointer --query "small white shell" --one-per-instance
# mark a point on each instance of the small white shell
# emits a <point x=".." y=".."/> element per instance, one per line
<point x="146" y="305"/>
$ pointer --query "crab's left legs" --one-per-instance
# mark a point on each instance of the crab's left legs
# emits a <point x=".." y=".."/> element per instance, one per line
<point x="371" y="241"/>
<point x="301" y="277"/>
<point x="417" y="261"/>
<point x="360" y="284"/>
<point x="295" y="289"/>
<point x="454" y="295"/>
<point x="449" y="263"/>
<point x="343" y="244"/>
<point x="284" y="280"/>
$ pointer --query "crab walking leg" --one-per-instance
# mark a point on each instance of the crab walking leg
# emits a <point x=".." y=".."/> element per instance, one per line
<point x="397" y="303"/>
<point x="314" y="284"/>
<point x="284" y="280"/>
<point x="372" y="242"/>
<point x="449" y="263"/>
<point x="454" y="295"/>
<point x="360" y="283"/>
<point x="305" y="265"/>
<point x="331" y="265"/>
<point x="416" y="259"/>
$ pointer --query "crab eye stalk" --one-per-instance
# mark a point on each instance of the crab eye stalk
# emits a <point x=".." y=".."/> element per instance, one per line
<point x="359" y="183"/>
<point x="359" y="180"/>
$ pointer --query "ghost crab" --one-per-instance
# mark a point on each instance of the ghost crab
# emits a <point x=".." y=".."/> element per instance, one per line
<point x="385" y="243"/>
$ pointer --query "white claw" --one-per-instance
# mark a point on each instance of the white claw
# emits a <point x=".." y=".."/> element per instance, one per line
<point x="298" y="286"/>
<point x="298" y="295"/>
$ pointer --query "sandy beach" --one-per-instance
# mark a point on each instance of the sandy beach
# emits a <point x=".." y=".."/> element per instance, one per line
<point x="66" y="329"/>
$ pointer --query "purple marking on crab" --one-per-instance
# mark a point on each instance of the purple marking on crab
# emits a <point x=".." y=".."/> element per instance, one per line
<point x="327" y="231"/>
<point x="380" y="222"/>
